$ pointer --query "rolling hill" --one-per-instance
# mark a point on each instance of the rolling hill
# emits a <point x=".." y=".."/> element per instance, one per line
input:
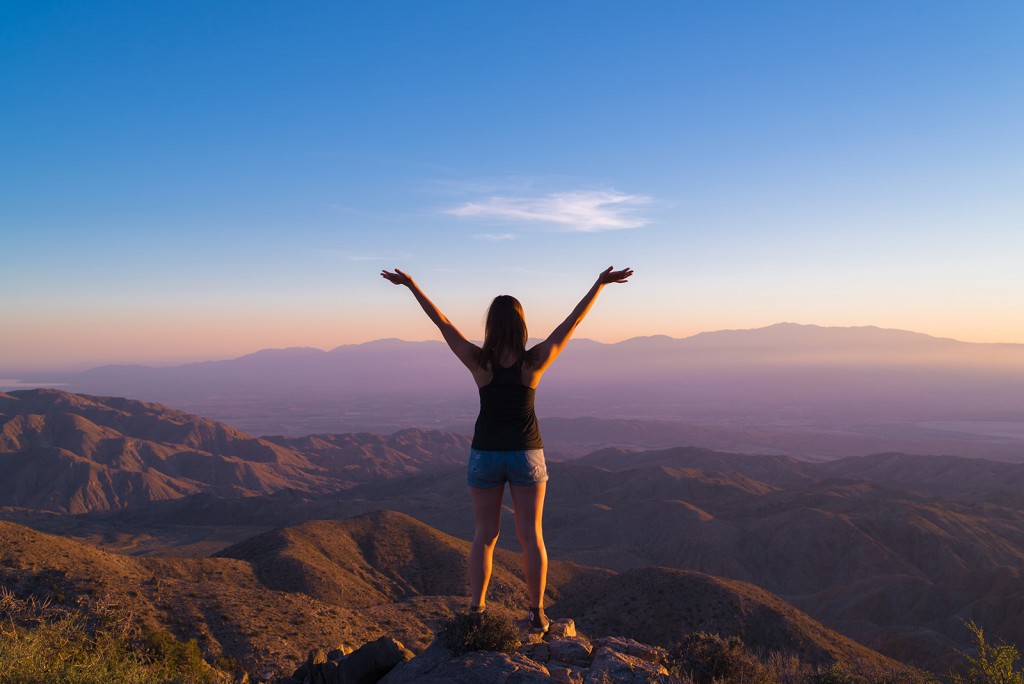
<point x="893" y="549"/>
<point x="281" y="592"/>
<point x="72" y="453"/>
<point x="896" y="568"/>
<point x="659" y="605"/>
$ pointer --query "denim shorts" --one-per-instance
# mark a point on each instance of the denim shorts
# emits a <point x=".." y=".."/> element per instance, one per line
<point x="523" y="468"/>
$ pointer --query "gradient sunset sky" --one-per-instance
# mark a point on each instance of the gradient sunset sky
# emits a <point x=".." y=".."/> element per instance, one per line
<point x="199" y="180"/>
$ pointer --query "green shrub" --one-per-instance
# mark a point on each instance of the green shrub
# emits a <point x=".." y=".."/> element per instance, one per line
<point x="712" y="659"/>
<point x="708" y="658"/>
<point x="174" y="659"/>
<point x="64" y="651"/>
<point x="41" y="642"/>
<point x="991" y="664"/>
<point x="228" y="664"/>
<point x="480" y="632"/>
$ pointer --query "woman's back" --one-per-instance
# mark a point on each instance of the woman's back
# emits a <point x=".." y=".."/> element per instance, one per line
<point x="507" y="420"/>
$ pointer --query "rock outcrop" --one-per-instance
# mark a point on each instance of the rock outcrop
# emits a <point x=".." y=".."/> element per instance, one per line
<point x="366" y="665"/>
<point x="561" y="656"/>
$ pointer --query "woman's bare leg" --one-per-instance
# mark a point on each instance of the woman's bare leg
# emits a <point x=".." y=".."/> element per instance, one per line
<point x="487" y="519"/>
<point x="529" y="509"/>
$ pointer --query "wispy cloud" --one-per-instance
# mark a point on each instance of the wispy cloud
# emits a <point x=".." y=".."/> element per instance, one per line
<point x="495" y="237"/>
<point x="580" y="210"/>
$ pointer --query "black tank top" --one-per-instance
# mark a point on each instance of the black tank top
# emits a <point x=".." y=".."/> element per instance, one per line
<point x="507" y="421"/>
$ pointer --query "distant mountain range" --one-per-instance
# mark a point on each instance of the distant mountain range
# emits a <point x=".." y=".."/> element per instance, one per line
<point x="893" y="550"/>
<point x="782" y="379"/>
<point x="75" y="453"/>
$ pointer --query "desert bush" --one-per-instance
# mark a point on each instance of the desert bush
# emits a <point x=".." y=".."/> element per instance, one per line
<point x="480" y="632"/>
<point x="991" y="664"/>
<point x="708" y="658"/>
<point x="173" y="659"/>
<point x="837" y="673"/>
<point x="42" y="642"/>
<point x="228" y="664"/>
<point x="786" y="668"/>
<point x="64" y="651"/>
<point x="713" y="659"/>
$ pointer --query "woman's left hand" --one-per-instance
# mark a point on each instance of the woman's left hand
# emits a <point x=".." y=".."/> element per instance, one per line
<point x="397" y="278"/>
<point x="609" y="276"/>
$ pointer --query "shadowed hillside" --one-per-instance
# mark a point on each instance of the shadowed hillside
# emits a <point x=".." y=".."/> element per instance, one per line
<point x="347" y="581"/>
<point x="73" y="453"/>
<point x="355" y="580"/>
<point x="895" y="550"/>
<point x="895" y="568"/>
<point x="365" y="456"/>
<point x="361" y="562"/>
<point x="659" y="605"/>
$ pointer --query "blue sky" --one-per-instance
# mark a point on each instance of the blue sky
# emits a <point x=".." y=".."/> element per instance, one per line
<point x="195" y="180"/>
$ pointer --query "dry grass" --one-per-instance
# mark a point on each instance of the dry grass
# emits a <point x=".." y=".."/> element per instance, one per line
<point x="44" y="642"/>
<point x="705" y="658"/>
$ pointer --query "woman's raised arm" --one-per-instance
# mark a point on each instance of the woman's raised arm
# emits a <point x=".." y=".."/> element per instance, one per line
<point x="548" y="350"/>
<point x="463" y="348"/>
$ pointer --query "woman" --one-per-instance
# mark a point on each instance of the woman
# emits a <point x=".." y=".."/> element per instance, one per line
<point x="507" y="445"/>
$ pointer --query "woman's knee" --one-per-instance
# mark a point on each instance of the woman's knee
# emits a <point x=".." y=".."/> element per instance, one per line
<point x="531" y="538"/>
<point x="487" y="534"/>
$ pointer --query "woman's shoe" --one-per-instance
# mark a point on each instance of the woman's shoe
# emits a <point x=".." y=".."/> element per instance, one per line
<point x="539" y="622"/>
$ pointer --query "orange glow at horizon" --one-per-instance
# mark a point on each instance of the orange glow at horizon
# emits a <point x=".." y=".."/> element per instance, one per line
<point x="77" y="342"/>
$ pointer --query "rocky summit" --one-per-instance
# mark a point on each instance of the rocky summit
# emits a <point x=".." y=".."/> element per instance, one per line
<point x="561" y="655"/>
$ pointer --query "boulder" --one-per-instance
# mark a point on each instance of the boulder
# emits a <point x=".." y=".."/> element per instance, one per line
<point x="371" y="661"/>
<point x="315" y="658"/>
<point x="610" y="666"/>
<point x="540" y="653"/>
<point x="571" y="650"/>
<point x="563" y="627"/>
<point x="651" y="654"/>
<point x="337" y="654"/>
<point x="420" y="667"/>
<point x="527" y="637"/>
<point x="564" y="674"/>
<point x="559" y="628"/>
<point x="437" y="666"/>
<point x="324" y="673"/>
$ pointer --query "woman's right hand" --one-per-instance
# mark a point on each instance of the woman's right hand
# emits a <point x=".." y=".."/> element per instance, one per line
<point x="397" y="278"/>
<point x="609" y="276"/>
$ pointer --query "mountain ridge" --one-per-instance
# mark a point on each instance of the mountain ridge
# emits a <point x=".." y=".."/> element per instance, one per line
<point x="75" y="453"/>
<point x="892" y="548"/>
<point x="773" y="332"/>
<point x="786" y="378"/>
<point x="302" y="601"/>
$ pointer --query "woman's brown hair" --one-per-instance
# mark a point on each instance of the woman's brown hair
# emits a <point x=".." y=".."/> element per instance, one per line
<point x="504" y="331"/>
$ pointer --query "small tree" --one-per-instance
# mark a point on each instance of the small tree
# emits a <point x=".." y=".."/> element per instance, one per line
<point x="992" y="664"/>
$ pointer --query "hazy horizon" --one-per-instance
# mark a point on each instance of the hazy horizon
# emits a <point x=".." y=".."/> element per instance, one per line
<point x="10" y="373"/>
<point x="787" y="388"/>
